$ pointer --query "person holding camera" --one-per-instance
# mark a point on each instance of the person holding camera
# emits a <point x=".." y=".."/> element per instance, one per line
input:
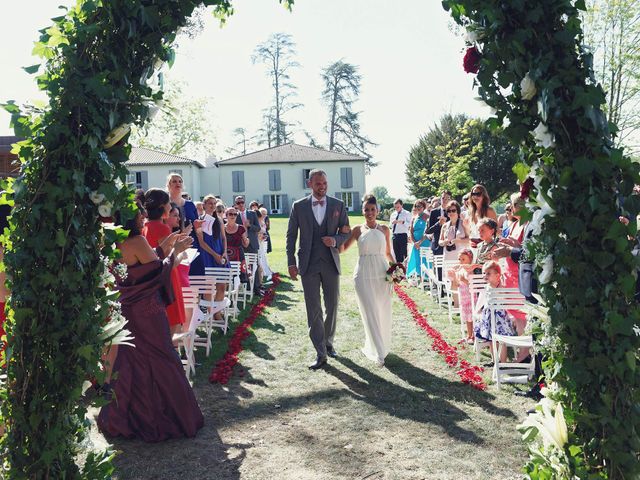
<point x="453" y="235"/>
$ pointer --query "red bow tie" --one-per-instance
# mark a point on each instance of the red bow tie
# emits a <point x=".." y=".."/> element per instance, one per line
<point x="318" y="202"/>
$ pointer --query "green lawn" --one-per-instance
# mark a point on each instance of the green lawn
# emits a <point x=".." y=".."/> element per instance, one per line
<point x="413" y="419"/>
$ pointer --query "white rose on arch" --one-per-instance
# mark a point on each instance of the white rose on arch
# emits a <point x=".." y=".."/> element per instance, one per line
<point x="96" y="198"/>
<point x="105" y="209"/>
<point x="544" y="138"/>
<point x="528" y="88"/>
<point x="547" y="270"/>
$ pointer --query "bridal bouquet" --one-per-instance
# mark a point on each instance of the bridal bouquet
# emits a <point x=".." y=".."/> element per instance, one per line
<point x="396" y="273"/>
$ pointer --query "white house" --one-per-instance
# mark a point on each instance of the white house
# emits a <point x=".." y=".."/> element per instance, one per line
<point x="275" y="176"/>
<point x="149" y="168"/>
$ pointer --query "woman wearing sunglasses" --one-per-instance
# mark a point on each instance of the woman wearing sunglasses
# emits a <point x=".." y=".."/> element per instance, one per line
<point x="453" y="235"/>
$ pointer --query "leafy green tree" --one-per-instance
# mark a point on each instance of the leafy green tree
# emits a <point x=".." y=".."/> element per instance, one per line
<point x="612" y="30"/>
<point x="341" y="89"/>
<point x="181" y="127"/>
<point x="459" y="153"/>
<point x="277" y="54"/>
<point x="426" y="166"/>
<point x="382" y="195"/>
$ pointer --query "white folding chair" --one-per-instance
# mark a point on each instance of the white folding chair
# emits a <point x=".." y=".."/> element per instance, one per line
<point x="221" y="276"/>
<point x="509" y="372"/>
<point x="450" y="292"/>
<point x="438" y="262"/>
<point x="251" y="259"/>
<point x="477" y="284"/>
<point x="234" y="292"/>
<point x="185" y="340"/>
<point x="426" y="261"/>
<point x="206" y="287"/>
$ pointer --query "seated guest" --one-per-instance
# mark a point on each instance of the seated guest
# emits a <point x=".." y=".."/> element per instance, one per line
<point x="156" y="203"/>
<point x="152" y="399"/>
<point x="487" y="231"/>
<point x="504" y="323"/>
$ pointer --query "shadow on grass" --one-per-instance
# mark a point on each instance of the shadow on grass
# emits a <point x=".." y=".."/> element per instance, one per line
<point x="205" y="456"/>
<point x="406" y="403"/>
<point x="433" y="385"/>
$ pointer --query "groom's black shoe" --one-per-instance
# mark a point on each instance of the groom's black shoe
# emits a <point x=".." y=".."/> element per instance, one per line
<point x="332" y="352"/>
<point x="319" y="363"/>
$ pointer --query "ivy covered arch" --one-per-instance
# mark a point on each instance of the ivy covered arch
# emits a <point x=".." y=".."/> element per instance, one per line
<point x="100" y="65"/>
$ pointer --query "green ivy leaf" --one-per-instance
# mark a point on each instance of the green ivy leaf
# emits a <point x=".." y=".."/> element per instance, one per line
<point x="521" y="170"/>
<point x="603" y="259"/>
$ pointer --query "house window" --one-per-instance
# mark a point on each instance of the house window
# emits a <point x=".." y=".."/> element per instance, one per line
<point x="274" y="180"/>
<point x="275" y="203"/>
<point x="346" y="177"/>
<point x="347" y="198"/>
<point x="138" y="179"/>
<point x="237" y="181"/>
<point x="305" y="177"/>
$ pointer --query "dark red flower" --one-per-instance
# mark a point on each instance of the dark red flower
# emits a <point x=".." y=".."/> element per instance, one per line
<point x="525" y="188"/>
<point x="471" y="61"/>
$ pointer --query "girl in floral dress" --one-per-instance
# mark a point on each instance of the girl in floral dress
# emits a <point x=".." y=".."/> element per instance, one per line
<point x="504" y="323"/>
<point x="460" y="280"/>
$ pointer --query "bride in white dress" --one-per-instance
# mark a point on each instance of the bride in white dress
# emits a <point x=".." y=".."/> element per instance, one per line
<point x="373" y="292"/>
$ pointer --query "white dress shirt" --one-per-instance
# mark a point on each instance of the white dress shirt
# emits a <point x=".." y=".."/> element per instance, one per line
<point x="402" y="216"/>
<point x="319" y="211"/>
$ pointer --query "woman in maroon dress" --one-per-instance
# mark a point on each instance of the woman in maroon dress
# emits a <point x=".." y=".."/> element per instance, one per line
<point x="152" y="398"/>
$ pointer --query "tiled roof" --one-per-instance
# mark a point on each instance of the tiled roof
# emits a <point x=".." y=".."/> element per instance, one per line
<point x="146" y="156"/>
<point x="291" y="153"/>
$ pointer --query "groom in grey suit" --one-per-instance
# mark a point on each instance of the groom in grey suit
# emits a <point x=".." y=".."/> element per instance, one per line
<point x="321" y="220"/>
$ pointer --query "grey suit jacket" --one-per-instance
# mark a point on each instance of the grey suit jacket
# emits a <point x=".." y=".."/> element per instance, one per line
<point x="301" y="219"/>
<point x="252" y="230"/>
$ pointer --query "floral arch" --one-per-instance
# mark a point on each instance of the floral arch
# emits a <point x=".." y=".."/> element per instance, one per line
<point x="100" y="71"/>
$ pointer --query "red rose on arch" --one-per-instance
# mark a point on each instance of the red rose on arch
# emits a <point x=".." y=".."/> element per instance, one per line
<point x="471" y="61"/>
<point x="525" y="188"/>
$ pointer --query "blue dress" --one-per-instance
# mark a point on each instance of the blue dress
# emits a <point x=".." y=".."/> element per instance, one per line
<point x="204" y="259"/>
<point x="413" y="265"/>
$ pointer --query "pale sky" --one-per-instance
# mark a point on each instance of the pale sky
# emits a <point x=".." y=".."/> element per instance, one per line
<point x="408" y="56"/>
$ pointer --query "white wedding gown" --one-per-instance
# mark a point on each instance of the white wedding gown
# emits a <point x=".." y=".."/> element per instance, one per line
<point x="373" y="293"/>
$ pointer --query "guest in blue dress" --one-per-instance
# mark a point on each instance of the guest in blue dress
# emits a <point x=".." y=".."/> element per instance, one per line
<point x="418" y="237"/>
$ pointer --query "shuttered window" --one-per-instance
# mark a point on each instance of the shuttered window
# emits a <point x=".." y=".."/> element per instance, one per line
<point x="237" y="181"/>
<point x="346" y="177"/>
<point x="274" y="180"/>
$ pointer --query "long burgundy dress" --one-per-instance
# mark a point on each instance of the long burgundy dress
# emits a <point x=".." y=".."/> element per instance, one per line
<point x="153" y="400"/>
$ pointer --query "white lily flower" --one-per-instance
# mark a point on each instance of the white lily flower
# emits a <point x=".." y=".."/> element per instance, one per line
<point x="551" y="425"/>
<point x="547" y="270"/>
<point x="114" y="332"/>
<point x="536" y="222"/>
<point x="544" y="138"/>
<point x="105" y="209"/>
<point x="528" y="87"/>
<point x="96" y="198"/>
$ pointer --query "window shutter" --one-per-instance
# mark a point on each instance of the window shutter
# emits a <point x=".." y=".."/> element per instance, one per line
<point x="343" y="178"/>
<point x="234" y="181"/>
<point x="266" y="201"/>
<point x="272" y="183"/>
<point x="285" y="204"/>
<point x="241" y="181"/>
<point x="278" y="180"/>
<point x="349" y="177"/>
<point x="356" y="201"/>
<point x="144" y="177"/>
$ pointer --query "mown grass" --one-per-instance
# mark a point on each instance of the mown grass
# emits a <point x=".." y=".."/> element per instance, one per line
<point x="413" y="419"/>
